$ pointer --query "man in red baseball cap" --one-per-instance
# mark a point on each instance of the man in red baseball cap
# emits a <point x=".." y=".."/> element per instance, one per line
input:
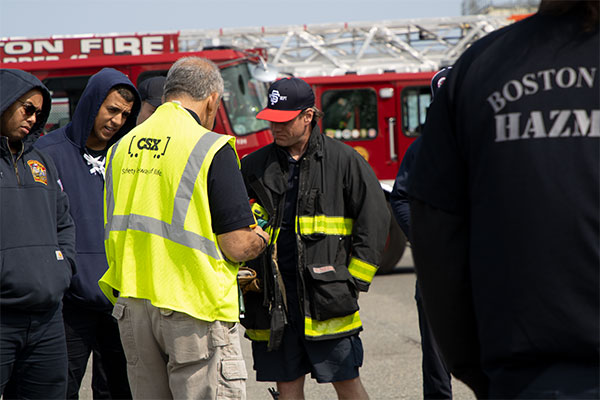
<point x="287" y="99"/>
<point x="328" y="222"/>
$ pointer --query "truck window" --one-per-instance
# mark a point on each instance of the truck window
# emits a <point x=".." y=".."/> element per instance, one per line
<point x="350" y="114"/>
<point x="65" y="94"/>
<point x="415" y="101"/>
<point x="59" y="114"/>
<point x="243" y="98"/>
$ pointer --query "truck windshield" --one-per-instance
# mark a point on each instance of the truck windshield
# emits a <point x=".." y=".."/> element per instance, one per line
<point x="244" y="97"/>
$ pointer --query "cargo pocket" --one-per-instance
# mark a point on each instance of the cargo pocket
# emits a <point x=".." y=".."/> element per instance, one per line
<point x="233" y="372"/>
<point x="187" y="338"/>
<point x="332" y="292"/>
<point x="232" y="382"/>
<point x="123" y="316"/>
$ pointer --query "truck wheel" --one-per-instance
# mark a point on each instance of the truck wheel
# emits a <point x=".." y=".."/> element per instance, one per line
<point x="394" y="247"/>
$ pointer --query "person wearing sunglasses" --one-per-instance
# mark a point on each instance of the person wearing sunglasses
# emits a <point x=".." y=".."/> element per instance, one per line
<point x="106" y="111"/>
<point x="37" y="247"/>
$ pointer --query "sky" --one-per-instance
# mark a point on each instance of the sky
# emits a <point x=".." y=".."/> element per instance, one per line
<point x="43" y="18"/>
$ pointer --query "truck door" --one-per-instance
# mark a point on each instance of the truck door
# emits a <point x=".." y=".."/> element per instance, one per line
<point x="413" y="104"/>
<point x="360" y="117"/>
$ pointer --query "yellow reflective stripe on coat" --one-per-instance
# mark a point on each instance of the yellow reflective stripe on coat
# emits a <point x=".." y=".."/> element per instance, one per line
<point x="331" y="326"/>
<point x="261" y="335"/>
<point x="274" y="234"/>
<point x="361" y="269"/>
<point x="324" y="224"/>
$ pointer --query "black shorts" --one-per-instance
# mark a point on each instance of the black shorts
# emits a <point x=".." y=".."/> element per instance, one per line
<point x="330" y="360"/>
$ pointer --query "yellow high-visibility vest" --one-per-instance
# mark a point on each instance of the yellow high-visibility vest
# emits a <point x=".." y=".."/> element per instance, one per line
<point x="159" y="240"/>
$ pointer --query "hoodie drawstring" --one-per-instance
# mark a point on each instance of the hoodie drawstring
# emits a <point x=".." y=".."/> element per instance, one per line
<point x="97" y="164"/>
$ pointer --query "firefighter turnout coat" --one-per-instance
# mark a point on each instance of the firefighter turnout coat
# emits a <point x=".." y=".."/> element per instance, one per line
<point x="341" y="225"/>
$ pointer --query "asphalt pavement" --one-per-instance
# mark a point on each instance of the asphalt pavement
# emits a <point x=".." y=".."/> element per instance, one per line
<point x="391" y="341"/>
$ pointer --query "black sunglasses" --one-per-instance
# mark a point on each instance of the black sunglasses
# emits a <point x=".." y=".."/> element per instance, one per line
<point x="30" y="109"/>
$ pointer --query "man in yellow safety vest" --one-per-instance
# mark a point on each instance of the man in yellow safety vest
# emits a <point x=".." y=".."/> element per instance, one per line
<point x="177" y="223"/>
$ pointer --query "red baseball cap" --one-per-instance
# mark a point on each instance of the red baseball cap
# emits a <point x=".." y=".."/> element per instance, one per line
<point x="287" y="98"/>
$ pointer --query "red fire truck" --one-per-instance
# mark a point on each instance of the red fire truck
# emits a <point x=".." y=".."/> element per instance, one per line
<point x="378" y="112"/>
<point x="66" y="64"/>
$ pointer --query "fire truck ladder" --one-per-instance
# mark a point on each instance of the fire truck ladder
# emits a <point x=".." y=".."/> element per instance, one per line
<point x="409" y="45"/>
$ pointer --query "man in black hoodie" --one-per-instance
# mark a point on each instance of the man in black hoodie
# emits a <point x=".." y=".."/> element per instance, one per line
<point x="106" y="111"/>
<point x="37" y="247"/>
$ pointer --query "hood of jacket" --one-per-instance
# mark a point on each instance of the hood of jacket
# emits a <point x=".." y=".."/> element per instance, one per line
<point x="14" y="83"/>
<point x="96" y="90"/>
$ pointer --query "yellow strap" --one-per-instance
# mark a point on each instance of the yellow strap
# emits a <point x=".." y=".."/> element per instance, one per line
<point x="331" y="326"/>
<point x="362" y="270"/>
<point x="260" y="335"/>
<point x="326" y="225"/>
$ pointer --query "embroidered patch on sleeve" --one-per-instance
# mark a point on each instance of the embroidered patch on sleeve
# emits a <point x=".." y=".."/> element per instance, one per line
<point x="59" y="255"/>
<point x="38" y="171"/>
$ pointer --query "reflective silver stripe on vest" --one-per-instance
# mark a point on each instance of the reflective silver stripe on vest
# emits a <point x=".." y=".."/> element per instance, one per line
<point x="160" y="228"/>
<point x="183" y="197"/>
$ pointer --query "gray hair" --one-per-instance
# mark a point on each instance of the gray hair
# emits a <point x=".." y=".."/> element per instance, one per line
<point x="194" y="76"/>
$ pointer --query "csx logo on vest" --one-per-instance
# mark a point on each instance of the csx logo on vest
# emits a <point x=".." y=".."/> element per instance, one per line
<point x="158" y="146"/>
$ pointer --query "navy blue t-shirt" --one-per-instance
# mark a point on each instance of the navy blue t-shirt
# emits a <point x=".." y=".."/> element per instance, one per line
<point x="287" y="252"/>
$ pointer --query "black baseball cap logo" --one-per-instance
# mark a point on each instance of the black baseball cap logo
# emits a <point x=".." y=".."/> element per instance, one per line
<point x="288" y="97"/>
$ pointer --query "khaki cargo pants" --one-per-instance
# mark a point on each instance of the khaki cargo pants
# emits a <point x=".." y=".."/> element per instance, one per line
<point x="171" y="355"/>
